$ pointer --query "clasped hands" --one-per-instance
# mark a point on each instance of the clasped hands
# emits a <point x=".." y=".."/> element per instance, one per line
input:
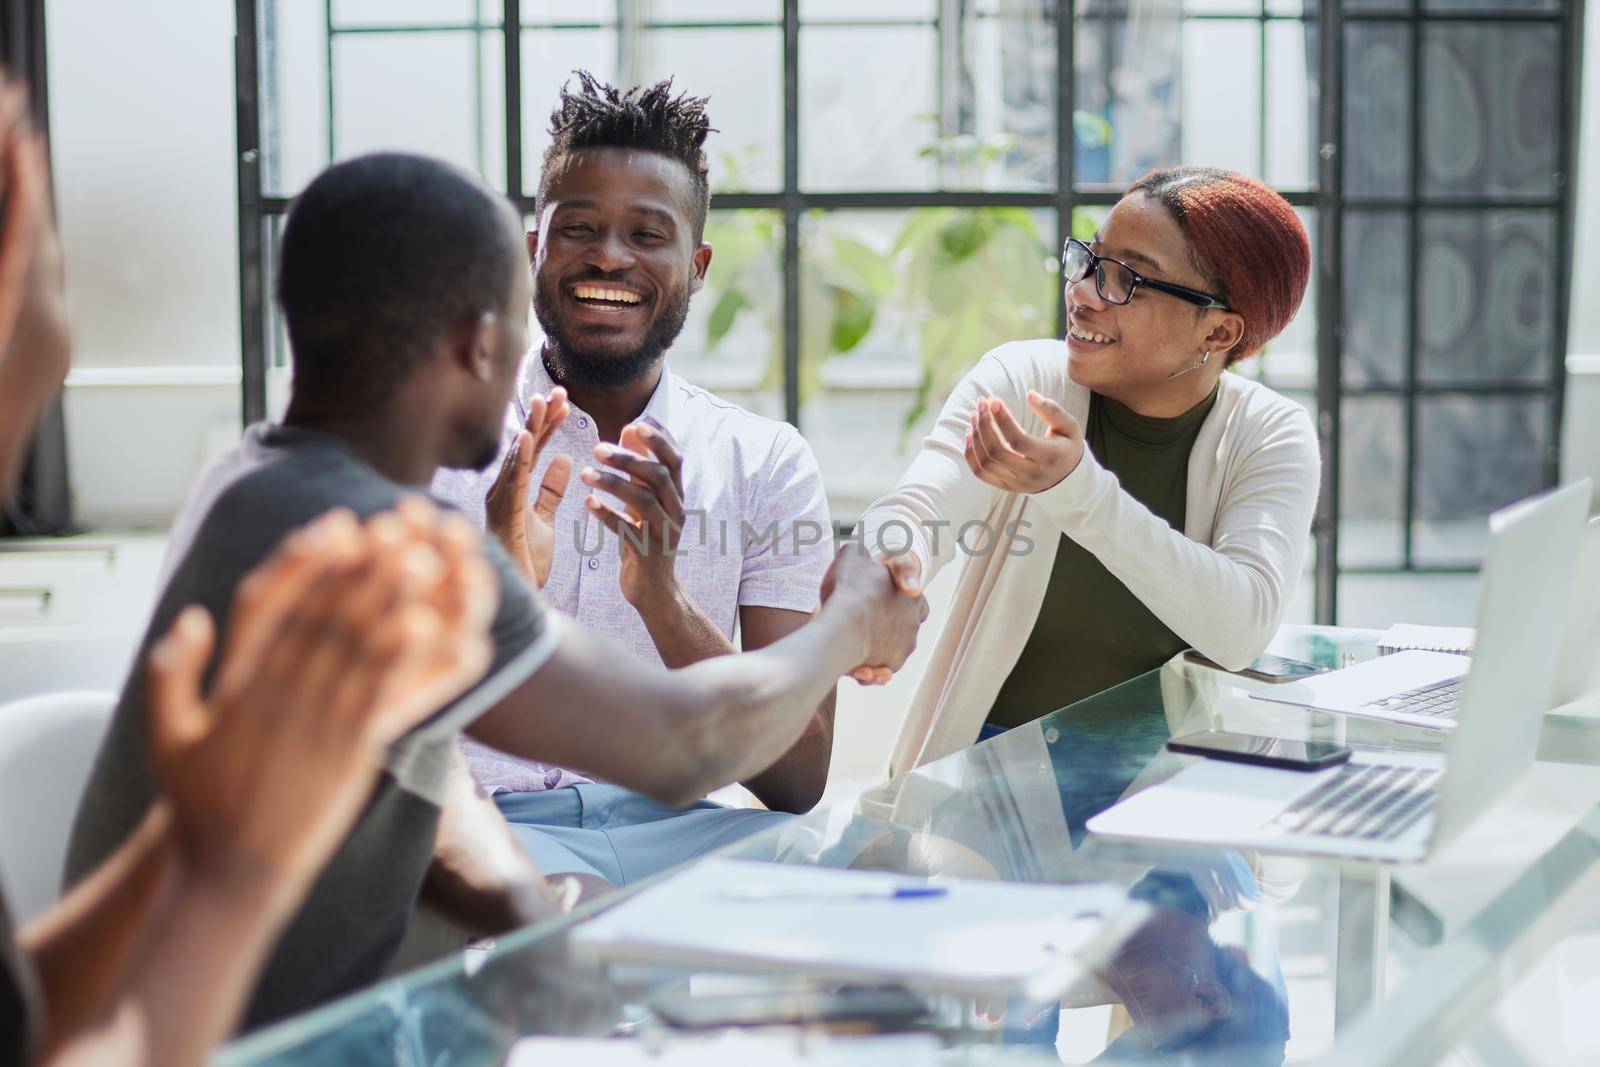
<point x="644" y="471"/>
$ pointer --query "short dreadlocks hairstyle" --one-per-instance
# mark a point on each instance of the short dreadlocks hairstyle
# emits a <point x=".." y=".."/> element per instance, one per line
<point x="651" y="119"/>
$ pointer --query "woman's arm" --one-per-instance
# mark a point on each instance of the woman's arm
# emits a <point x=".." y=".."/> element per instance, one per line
<point x="938" y="494"/>
<point x="1227" y="598"/>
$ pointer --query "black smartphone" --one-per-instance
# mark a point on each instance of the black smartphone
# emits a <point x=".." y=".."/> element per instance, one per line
<point x="1264" y="668"/>
<point x="884" y="1008"/>
<point x="1264" y="751"/>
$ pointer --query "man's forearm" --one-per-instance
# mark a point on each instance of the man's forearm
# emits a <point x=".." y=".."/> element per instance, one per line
<point x="681" y="632"/>
<point x="674" y="734"/>
<point x="759" y="704"/>
<point x="796" y="781"/>
<point x="480" y="878"/>
<point x="684" y="635"/>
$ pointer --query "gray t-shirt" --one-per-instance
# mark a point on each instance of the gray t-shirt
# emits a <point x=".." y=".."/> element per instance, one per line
<point x="277" y="479"/>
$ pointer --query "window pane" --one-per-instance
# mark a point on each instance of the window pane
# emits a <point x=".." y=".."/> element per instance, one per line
<point x="278" y="357"/>
<point x="1490" y="127"/>
<point x="1474" y="454"/>
<point x="456" y="112"/>
<point x="294" y="97"/>
<point x="1488" y="296"/>
<point x="732" y="342"/>
<point x="583" y="12"/>
<point x="715" y="10"/>
<point x="742" y="72"/>
<point x="1222" y="100"/>
<point x="1377" y="113"/>
<point x="1152" y="92"/>
<point x="1377" y="297"/>
<point x="868" y="10"/>
<point x="1372" y="483"/>
<point x="1491" y="5"/>
<point x="873" y="116"/>
<point x="895" y="308"/>
<point x="1292" y="105"/>
<point x="1127" y="75"/>
<point x="867" y="101"/>
<point x="548" y="59"/>
<point x="368" y="13"/>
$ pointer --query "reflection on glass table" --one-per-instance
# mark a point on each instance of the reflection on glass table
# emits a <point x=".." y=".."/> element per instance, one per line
<point x="1242" y="958"/>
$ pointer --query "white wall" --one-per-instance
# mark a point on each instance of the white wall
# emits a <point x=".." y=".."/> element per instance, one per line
<point x="142" y="123"/>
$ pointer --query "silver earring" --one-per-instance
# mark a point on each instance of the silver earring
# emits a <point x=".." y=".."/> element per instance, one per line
<point x="1196" y="365"/>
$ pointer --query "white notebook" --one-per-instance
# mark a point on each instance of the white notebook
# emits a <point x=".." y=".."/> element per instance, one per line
<point x="1404" y="635"/>
<point x="976" y="939"/>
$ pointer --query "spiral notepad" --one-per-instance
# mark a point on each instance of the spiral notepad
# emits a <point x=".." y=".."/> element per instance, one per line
<point x="1404" y="635"/>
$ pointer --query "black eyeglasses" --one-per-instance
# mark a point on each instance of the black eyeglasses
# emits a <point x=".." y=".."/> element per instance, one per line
<point x="1116" y="282"/>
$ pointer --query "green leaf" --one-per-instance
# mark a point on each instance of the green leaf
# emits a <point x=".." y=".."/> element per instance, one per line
<point x="727" y="308"/>
<point x="867" y="265"/>
<point x="852" y="320"/>
<point x="965" y="235"/>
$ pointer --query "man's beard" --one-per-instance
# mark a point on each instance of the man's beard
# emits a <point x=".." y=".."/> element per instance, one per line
<point x="571" y="364"/>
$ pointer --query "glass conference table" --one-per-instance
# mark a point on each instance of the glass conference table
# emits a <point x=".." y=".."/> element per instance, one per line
<point x="1242" y="958"/>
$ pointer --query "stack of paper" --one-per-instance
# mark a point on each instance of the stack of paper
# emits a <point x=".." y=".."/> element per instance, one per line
<point x="968" y="938"/>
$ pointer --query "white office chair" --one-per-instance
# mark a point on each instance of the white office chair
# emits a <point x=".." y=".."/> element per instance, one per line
<point x="1578" y="668"/>
<point x="47" y="745"/>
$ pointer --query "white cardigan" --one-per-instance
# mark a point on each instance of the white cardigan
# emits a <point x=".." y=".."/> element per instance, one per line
<point x="1221" y="585"/>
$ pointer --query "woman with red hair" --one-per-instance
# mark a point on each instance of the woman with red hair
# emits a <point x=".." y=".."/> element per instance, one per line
<point x="1117" y="496"/>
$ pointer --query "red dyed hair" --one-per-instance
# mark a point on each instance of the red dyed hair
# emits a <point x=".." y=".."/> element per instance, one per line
<point x="1244" y="239"/>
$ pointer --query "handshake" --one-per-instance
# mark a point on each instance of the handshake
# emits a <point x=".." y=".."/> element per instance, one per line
<point x="887" y="603"/>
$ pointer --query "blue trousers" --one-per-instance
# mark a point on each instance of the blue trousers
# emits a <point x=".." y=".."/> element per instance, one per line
<point x="616" y="834"/>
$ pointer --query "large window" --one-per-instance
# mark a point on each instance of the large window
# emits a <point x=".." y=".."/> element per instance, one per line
<point x="893" y="180"/>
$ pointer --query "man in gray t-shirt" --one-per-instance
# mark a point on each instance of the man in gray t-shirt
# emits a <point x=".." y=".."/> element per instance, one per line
<point x="277" y="479"/>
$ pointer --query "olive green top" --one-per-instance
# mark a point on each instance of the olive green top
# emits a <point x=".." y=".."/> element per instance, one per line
<point x="1092" y="633"/>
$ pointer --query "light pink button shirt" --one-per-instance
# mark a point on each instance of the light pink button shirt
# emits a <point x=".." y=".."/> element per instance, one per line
<point x="743" y="475"/>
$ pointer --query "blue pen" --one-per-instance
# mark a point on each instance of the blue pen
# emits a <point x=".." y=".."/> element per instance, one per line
<point x="834" y="892"/>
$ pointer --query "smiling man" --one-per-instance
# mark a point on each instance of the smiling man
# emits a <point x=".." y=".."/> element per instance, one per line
<point x="695" y="518"/>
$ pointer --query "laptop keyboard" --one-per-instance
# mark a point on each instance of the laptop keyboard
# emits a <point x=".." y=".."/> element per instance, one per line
<point x="1366" y="801"/>
<point x="1438" y="700"/>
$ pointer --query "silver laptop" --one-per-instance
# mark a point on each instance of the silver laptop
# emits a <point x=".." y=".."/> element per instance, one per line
<point x="1423" y="689"/>
<point x="1400" y="806"/>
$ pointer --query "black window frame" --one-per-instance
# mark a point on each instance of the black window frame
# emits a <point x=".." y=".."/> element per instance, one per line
<point x="1326" y="201"/>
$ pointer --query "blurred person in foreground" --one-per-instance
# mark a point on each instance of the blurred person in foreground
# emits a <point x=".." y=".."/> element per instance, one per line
<point x="1123" y="494"/>
<point x="404" y="287"/>
<point x="345" y="639"/>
